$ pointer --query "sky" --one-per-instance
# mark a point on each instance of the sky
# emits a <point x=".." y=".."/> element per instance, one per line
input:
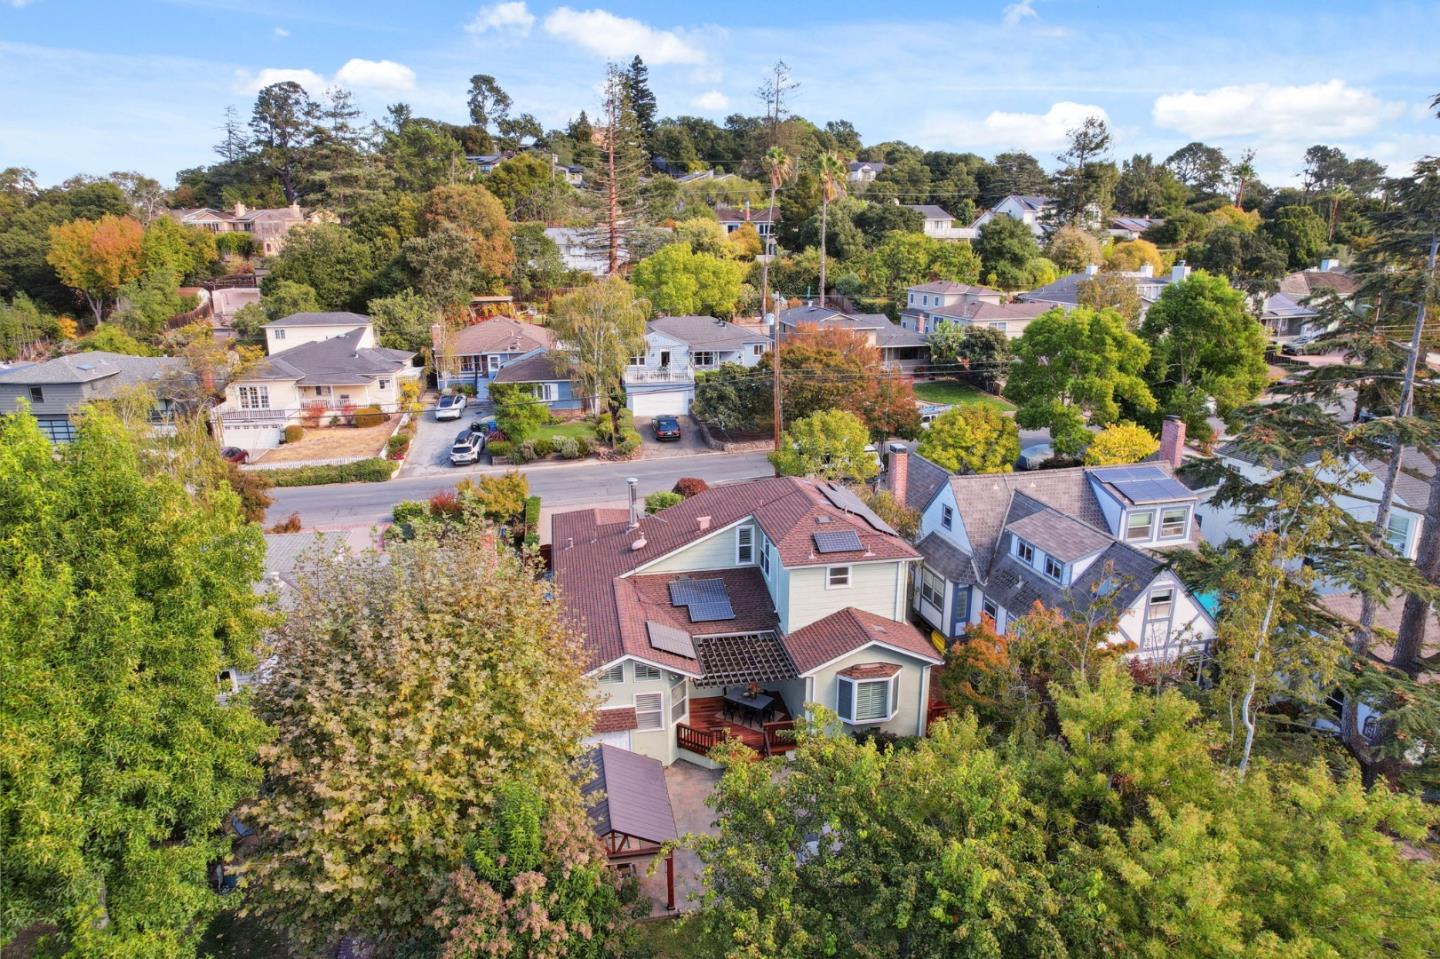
<point x="94" y="86"/>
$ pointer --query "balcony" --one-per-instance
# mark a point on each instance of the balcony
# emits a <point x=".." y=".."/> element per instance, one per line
<point x="665" y="374"/>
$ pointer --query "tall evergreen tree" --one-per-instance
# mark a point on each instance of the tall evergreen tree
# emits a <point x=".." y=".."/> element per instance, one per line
<point x="642" y="102"/>
<point x="283" y="126"/>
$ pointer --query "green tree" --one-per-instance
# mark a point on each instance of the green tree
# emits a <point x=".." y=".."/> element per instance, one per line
<point x="407" y="704"/>
<point x="1146" y="188"/>
<point x="1248" y="259"/>
<point x="831" y="175"/>
<point x="828" y="444"/>
<point x="127" y="587"/>
<point x="779" y="167"/>
<point x="24" y="327"/>
<point x="184" y="251"/>
<point x="1300" y="232"/>
<point x="327" y="258"/>
<point x="985" y="353"/>
<point x="286" y="298"/>
<point x="1122" y="443"/>
<point x="1072" y="249"/>
<point x="442" y="266"/>
<point x="499" y="499"/>
<point x="112" y="338"/>
<point x="678" y="282"/>
<point x="903" y="259"/>
<point x="972" y="439"/>
<point x="704" y="235"/>
<point x="283" y="125"/>
<point x="1203" y="344"/>
<point x="147" y="303"/>
<point x="1076" y="368"/>
<point x="517" y="412"/>
<point x="735" y="398"/>
<point x="1085" y="184"/>
<point x="1111" y="291"/>
<point x="642" y="100"/>
<point x="601" y="326"/>
<point x="403" y="321"/>
<point x="1200" y="167"/>
<point x="1006" y="246"/>
<point x="488" y="104"/>
<point x="529" y="189"/>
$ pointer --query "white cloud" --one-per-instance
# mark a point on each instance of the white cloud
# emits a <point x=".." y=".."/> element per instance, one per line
<point x="1003" y="130"/>
<point x="281" y="32"/>
<point x="712" y="100"/>
<point x="375" y="74"/>
<point x="512" y="17"/>
<point x="603" y="33"/>
<point x="1016" y="12"/>
<point x="17" y="4"/>
<point x="247" y="82"/>
<point x="1312" y="112"/>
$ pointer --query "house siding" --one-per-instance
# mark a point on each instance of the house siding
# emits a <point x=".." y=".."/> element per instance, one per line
<point x="300" y="335"/>
<point x="714" y="552"/>
<point x="1189" y="623"/>
<point x="655" y="743"/>
<point x="59" y="398"/>
<point x="874" y="587"/>
<point x="909" y="719"/>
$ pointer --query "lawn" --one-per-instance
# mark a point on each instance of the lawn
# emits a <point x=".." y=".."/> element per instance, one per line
<point x="957" y="393"/>
<point x="575" y="428"/>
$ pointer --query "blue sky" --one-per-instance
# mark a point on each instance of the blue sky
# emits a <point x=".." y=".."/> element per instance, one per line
<point x="99" y="85"/>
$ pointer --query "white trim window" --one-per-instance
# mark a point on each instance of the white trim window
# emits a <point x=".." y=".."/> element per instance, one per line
<point x="679" y="701"/>
<point x="1398" y="536"/>
<point x="254" y="397"/>
<point x="932" y="588"/>
<point x="1025" y="552"/>
<point x="646" y="671"/>
<point x="544" y="392"/>
<point x="1139" y="525"/>
<point x="837" y="577"/>
<point x="279" y="332"/>
<point x="860" y="701"/>
<point x="702" y="359"/>
<point x="1054" y="569"/>
<point x="638" y="359"/>
<point x="744" y="545"/>
<point x="1174" y="520"/>
<point x="765" y="556"/>
<point x="947" y="517"/>
<point x="383" y="384"/>
<point x="612" y="674"/>
<point x="649" y="711"/>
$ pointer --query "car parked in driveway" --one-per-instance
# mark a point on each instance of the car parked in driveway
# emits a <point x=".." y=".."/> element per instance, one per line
<point x="450" y="407"/>
<point x="234" y="454"/>
<point x="466" y="448"/>
<point x="666" y="428"/>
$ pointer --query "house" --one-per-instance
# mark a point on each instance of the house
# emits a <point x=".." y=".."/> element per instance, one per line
<point x="928" y="305"/>
<point x="574" y="174"/>
<point x="1131" y="227"/>
<point x="300" y="328"/>
<point x="305" y="382"/>
<point x="1012" y="319"/>
<point x="1029" y="210"/>
<point x="995" y="544"/>
<point x="56" y="389"/>
<point x="732" y="612"/>
<point x="763" y="220"/>
<point x="547" y="376"/>
<point x="269" y="226"/>
<point x="1304" y="284"/>
<point x="1284" y="317"/>
<point x="1065" y="292"/>
<point x="629" y="808"/>
<point x="863" y="172"/>
<point x="940" y="225"/>
<point x="584" y="249"/>
<point x="1361" y="498"/>
<point x="662" y="379"/>
<point x="901" y="350"/>
<point x="486" y="162"/>
<point x="700" y="176"/>
<point x="474" y="354"/>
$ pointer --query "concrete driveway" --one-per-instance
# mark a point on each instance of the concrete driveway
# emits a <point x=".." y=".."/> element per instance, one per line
<point x="430" y="449"/>
<point x="688" y="444"/>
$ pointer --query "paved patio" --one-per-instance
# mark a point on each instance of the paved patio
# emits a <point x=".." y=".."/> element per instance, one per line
<point x="689" y="786"/>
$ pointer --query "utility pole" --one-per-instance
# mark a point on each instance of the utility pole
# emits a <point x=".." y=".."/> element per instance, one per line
<point x="775" y="377"/>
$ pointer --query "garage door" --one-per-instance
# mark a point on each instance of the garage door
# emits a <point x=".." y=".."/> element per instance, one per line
<point x="661" y="402"/>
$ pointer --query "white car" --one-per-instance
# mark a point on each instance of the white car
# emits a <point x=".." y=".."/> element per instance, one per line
<point x="450" y="407"/>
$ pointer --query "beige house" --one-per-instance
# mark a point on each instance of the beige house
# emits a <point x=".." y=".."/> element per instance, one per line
<point x="740" y="609"/>
<point x="270" y="227"/>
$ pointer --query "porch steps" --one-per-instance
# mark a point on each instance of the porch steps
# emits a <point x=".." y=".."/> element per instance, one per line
<point x="708" y="713"/>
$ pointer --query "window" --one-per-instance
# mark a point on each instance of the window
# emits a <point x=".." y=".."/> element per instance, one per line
<point x="1025" y="551"/>
<point x="837" y="577"/>
<point x="1162" y="603"/>
<point x="702" y="358"/>
<point x="867" y="700"/>
<point x="1399" y="533"/>
<point x="37" y="393"/>
<point x="638" y="359"/>
<point x="757" y="349"/>
<point x="613" y="674"/>
<point x="649" y="711"/>
<point x="1137" y="525"/>
<point x="384" y="384"/>
<point x="545" y="392"/>
<point x="279" y="334"/>
<point x="1000" y="325"/>
<point x="679" y="701"/>
<point x="988" y="608"/>
<point x="1053" y="569"/>
<point x="1173" y="522"/>
<point x="254" y="397"/>
<point x="744" y="545"/>
<point x="947" y="517"/>
<point x="646" y="671"/>
<point x="932" y="588"/>
<point x="765" y="557"/>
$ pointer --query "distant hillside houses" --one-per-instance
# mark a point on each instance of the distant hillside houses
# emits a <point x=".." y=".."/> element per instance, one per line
<point x="269" y="227"/>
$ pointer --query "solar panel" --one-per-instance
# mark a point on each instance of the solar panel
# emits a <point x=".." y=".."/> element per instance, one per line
<point x="1152" y="490"/>
<point x="838" y="541"/>
<point x="711" y="612"/>
<point x="670" y="639"/>
<point x="842" y="498"/>
<point x="687" y="592"/>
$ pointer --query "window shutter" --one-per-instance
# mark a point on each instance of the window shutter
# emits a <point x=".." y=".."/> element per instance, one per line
<point x="846" y="705"/>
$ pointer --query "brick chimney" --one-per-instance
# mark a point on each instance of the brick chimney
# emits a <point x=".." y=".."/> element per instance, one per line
<point x="898" y="477"/>
<point x="1172" y="440"/>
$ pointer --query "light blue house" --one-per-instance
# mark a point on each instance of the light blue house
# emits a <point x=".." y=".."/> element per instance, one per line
<point x="473" y="355"/>
<point x="546" y="375"/>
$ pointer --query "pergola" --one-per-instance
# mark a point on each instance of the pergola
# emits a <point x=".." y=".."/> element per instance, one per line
<point x="630" y="809"/>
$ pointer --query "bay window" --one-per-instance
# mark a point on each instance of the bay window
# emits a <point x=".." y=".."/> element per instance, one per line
<point x="861" y="701"/>
<point x="932" y="588"/>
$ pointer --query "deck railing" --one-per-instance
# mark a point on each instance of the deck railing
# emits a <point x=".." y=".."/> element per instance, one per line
<point x="699" y="741"/>
<point x="779" y="736"/>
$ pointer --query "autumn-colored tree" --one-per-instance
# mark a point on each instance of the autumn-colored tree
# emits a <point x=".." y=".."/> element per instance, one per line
<point x="1072" y="249"/>
<point x="475" y="212"/>
<point x="972" y="439"/>
<point x="1122" y="443"/>
<point x="828" y="444"/>
<point x="826" y="368"/>
<point x="1109" y="291"/>
<point x="407" y="700"/>
<point x="1131" y="255"/>
<point x="97" y="257"/>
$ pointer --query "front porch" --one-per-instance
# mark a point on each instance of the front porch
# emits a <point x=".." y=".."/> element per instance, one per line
<point x="712" y="723"/>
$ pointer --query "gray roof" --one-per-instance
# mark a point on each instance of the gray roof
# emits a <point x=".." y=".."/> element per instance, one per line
<point x="923" y="481"/>
<point x="949" y="286"/>
<point x="336" y="362"/>
<point x="706" y="332"/>
<point x="627" y="794"/>
<point x="1067" y="288"/>
<point x="500" y="334"/>
<point x="1284" y="306"/>
<point x="320" y="319"/>
<point x="947" y="559"/>
<point x="1029" y="202"/>
<point x="1017" y="587"/>
<point x="930" y="211"/>
<point x="94" y="365"/>
<point x="539" y="368"/>
<point x="979" y="311"/>
<point x="1063" y="537"/>
<point x="887" y="332"/>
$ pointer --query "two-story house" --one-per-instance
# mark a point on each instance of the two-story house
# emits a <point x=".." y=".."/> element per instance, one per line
<point x="732" y="611"/>
<point x="762" y="219"/>
<point x="474" y="354"/>
<point x="995" y="544"/>
<point x="55" y="390"/>
<point x="939" y="224"/>
<point x="1029" y="210"/>
<point x="901" y="350"/>
<point x="269" y="226"/>
<point x="863" y="172"/>
<point x="661" y="380"/>
<point x="928" y="305"/>
<point x="1065" y="292"/>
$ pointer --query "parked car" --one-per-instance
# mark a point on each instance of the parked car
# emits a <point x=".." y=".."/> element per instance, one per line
<point x="666" y="428"/>
<point x="466" y="448"/>
<point x="450" y="407"/>
<point x="1302" y="344"/>
<point x="1032" y="456"/>
<point x="234" y="454"/>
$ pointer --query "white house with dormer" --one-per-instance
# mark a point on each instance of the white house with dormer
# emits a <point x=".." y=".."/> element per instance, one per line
<point x="661" y="380"/>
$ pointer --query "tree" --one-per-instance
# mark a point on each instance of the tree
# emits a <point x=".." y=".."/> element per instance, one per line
<point x="96" y="257"/>
<point x="1011" y="174"/>
<point x="1243" y="173"/>
<point x="1300" y="232"/>
<point x="407" y="704"/>
<point x="112" y="338"/>
<point x="1131" y="255"/>
<point x="1072" y="249"/>
<point x="985" y="353"/>
<point x="517" y="412"/>
<point x="1202" y="168"/>
<point x="538" y="265"/>
<point x="1120" y="444"/>
<point x="1203" y="344"/>
<point x="678" y="282"/>
<point x="642" y="100"/>
<point x="832" y="174"/>
<point x="488" y="104"/>
<point x="403" y="321"/>
<point x="442" y="266"/>
<point x="903" y="259"/>
<point x="327" y="258"/>
<point x="127" y="588"/>
<point x="1076" y="367"/>
<point x="286" y="298"/>
<point x="827" y="368"/>
<point x="1085" y="185"/>
<point x="1248" y="259"/>
<point x="24" y="328"/>
<point x="282" y="126"/>
<point x="829" y="444"/>
<point x="704" y="235"/>
<point x="623" y="162"/>
<point x="972" y="439"/>
<point x="529" y="189"/>
<point x="1147" y="188"/>
<point x="184" y="251"/>
<point x="474" y="211"/>
<point x="779" y="166"/>
<point x="147" y="304"/>
<point x="735" y="398"/>
<point x="1111" y="291"/>
<point x="601" y="326"/>
<point x="1006" y="246"/>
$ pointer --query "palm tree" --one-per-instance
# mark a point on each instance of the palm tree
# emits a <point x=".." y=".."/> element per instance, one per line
<point x="832" y="170"/>
<point x="778" y="165"/>
<point x="1340" y="193"/>
<point x="1244" y="173"/>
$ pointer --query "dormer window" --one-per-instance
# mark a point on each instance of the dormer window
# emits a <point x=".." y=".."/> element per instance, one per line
<point x="744" y="545"/>
<point x="1025" y="551"/>
<point x="1173" y="521"/>
<point x="1139" y="525"/>
<point x="1054" y="569"/>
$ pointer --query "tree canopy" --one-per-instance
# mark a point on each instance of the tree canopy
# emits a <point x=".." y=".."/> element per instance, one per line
<point x="828" y="444"/>
<point x="972" y="439"/>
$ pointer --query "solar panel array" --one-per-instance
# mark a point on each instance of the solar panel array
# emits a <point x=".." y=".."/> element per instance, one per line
<point x="711" y="612"/>
<point x="669" y="639"/>
<point x="842" y="498"/>
<point x="705" y="599"/>
<point x="1143" y="484"/>
<point x="837" y="541"/>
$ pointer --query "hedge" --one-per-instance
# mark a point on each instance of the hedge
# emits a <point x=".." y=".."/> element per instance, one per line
<point x="362" y="471"/>
<point x="532" y="522"/>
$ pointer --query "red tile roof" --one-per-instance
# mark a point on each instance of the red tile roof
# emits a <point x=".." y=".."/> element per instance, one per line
<point x="826" y="640"/>
<point x="616" y="720"/>
<point x="870" y="671"/>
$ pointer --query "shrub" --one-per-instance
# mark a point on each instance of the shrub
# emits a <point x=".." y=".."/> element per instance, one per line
<point x="408" y="511"/>
<point x="397" y="446"/>
<point x="532" y="512"/>
<point x="369" y="416"/>
<point x="290" y="524"/>
<point x="628" y="446"/>
<point x="688" y="486"/>
<point x="251" y="485"/>
<point x="361" y="471"/>
<point x="543" y="446"/>
<point x="662" y="499"/>
<point x="568" y="447"/>
<point x="502" y="499"/>
<point x="585" y="444"/>
<point x="501" y="449"/>
<point x="446" y="504"/>
<point x="465" y="389"/>
<point x="523" y="452"/>
<point x="294" y="432"/>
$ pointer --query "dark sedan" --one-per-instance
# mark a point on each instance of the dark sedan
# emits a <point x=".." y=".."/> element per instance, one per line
<point x="666" y="428"/>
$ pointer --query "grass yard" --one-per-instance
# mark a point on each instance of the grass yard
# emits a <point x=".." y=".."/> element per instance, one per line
<point x="576" y="429"/>
<point x="957" y="393"/>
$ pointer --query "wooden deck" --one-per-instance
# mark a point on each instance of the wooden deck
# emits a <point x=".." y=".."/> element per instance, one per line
<point x="707" y="717"/>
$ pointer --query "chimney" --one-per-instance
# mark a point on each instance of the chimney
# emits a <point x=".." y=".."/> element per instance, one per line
<point x="1179" y="272"/>
<point x="747" y="211"/>
<point x="704" y="522"/>
<point x="1147" y="269"/>
<point x="634" y="484"/>
<point x="899" y="472"/>
<point x="1091" y="269"/>
<point x="240" y="209"/>
<point x="1172" y="440"/>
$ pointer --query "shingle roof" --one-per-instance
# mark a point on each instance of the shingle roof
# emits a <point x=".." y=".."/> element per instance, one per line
<point x="1307" y="283"/>
<point x="886" y="331"/>
<point x="616" y="719"/>
<point x="541" y="368"/>
<point x="1127" y="571"/>
<point x="336" y="361"/>
<point x="947" y="286"/>
<point x="825" y="640"/>
<point x="756" y="215"/>
<point x="1066" y="289"/>
<point x="627" y="794"/>
<point x="94" y="365"/>
<point x="500" y="334"/>
<point x="924" y="479"/>
<point x="981" y="311"/>
<point x="930" y="211"/>
<point x="706" y="332"/>
<point x="1284" y="306"/>
<point x="947" y="559"/>
<point x="983" y="501"/>
<point x="320" y="319"/>
<point x="1063" y="537"/>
